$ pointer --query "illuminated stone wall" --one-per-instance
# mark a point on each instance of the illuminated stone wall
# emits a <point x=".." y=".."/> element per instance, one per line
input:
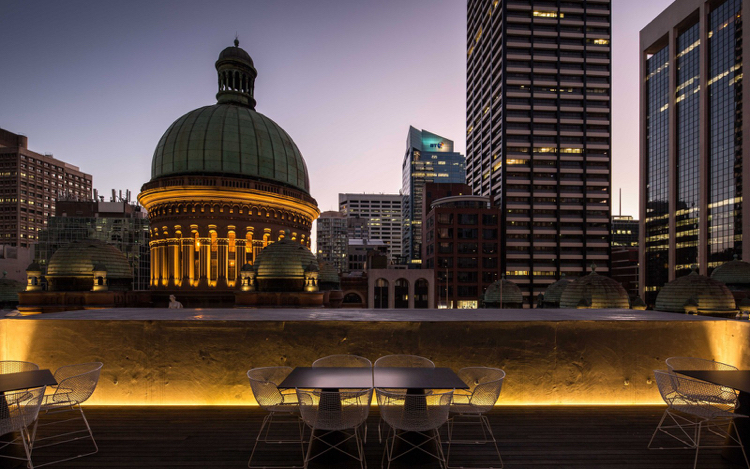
<point x="204" y="362"/>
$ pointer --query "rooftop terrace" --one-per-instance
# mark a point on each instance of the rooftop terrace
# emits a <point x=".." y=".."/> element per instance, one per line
<point x="540" y="437"/>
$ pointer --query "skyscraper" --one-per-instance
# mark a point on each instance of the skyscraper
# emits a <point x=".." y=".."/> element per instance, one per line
<point x="383" y="215"/>
<point x="428" y="158"/>
<point x="332" y="239"/>
<point x="538" y="132"/>
<point x="29" y="186"/>
<point x="692" y="123"/>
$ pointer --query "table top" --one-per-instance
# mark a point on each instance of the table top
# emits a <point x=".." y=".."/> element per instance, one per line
<point x="26" y="380"/>
<point x="417" y="378"/>
<point x="357" y="378"/>
<point x="735" y="379"/>
<point x="328" y="378"/>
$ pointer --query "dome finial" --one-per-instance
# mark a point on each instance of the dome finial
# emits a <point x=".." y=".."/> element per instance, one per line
<point x="694" y="269"/>
<point x="593" y="267"/>
<point x="236" y="40"/>
<point x="236" y="76"/>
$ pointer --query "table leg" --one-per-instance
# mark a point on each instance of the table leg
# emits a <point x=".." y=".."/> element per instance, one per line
<point x="331" y="403"/>
<point x="743" y="430"/>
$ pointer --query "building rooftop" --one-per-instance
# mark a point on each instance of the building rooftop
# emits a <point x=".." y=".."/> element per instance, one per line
<point x="367" y="315"/>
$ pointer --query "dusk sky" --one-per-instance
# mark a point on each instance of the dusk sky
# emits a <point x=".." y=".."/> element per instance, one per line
<point x="97" y="83"/>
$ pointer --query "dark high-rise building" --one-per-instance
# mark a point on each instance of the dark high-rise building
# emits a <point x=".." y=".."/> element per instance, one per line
<point x="428" y="158"/>
<point x="462" y="246"/>
<point x="538" y="132"/>
<point x="692" y="121"/>
<point x="30" y="183"/>
<point x="624" y="232"/>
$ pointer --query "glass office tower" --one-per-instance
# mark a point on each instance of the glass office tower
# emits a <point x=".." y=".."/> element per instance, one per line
<point x="538" y="133"/>
<point x="691" y="140"/>
<point x="429" y="158"/>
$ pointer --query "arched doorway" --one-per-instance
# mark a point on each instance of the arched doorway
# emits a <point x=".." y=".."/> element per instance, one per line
<point x="401" y="293"/>
<point x="380" y="295"/>
<point x="421" y="290"/>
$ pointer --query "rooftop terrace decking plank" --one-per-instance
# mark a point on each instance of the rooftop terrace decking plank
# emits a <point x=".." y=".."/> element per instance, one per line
<point x="542" y="437"/>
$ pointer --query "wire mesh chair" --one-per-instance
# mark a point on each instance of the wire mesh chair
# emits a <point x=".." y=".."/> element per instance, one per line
<point x="422" y="414"/>
<point x="345" y="361"/>
<point x="404" y="361"/>
<point x="15" y="366"/>
<point x="471" y="406"/>
<point x="75" y="384"/>
<point x="281" y="405"/>
<point x="692" y="363"/>
<point x="335" y="412"/>
<point x="400" y="361"/>
<point x="18" y="410"/>
<point x="687" y="415"/>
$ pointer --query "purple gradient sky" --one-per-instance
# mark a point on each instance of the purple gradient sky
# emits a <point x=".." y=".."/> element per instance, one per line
<point x="96" y="83"/>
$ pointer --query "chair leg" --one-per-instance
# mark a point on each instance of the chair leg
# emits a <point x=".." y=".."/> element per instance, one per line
<point x="487" y="437"/>
<point x="33" y="437"/>
<point x="739" y="440"/>
<point x="663" y="416"/>
<point x="697" y="443"/>
<point x="263" y="437"/>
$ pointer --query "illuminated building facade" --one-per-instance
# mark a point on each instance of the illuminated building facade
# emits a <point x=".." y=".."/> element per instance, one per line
<point x="383" y="215"/>
<point x="428" y="158"/>
<point x="331" y="239"/>
<point x="461" y="245"/>
<point x="538" y="132"/>
<point x="225" y="182"/>
<point x="691" y="150"/>
<point x="30" y="183"/>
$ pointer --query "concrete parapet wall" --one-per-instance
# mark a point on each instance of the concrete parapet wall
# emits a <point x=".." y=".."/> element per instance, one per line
<point x="193" y="362"/>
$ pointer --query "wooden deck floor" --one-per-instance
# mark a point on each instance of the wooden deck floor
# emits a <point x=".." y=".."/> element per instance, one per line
<point x="221" y="437"/>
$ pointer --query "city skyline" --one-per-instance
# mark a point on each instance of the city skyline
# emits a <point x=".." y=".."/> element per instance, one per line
<point x="99" y="83"/>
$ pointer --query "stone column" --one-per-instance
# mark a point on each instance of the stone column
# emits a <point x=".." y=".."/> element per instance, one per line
<point x="411" y="290"/>
<point x="222" y="262"/>
<point x="391" y="294"/>
<point x="188" y="262"/>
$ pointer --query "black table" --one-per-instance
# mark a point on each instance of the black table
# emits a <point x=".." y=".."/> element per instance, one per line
<point x="10" y="382"/>
<point x="416" y="380"/>
<point x="735" y="379"/>
<point x="26" y="380"/>
<point x="328" y="378"/>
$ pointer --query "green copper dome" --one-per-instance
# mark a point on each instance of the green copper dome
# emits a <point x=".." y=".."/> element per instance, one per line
<point x="733" y="273"/>
<point x="503" y="293"/>
<point x="594" y="291"/>
<point x="231" y="138"/>
<point x="284" y="259"/>
<point x="81" y="258"/>
<point x="705" y="293"/>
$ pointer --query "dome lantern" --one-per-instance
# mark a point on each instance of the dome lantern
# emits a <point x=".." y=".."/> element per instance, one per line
<point x="236" y="76"/>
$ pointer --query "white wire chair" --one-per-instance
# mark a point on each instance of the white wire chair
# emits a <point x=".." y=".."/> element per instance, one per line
<point x="344" y="361"/>
<point x="692" y="363"/>
<point x="400" y="361"/>
<point x="422" y="414"/>
<point x="404" y="361"/>
<point x="18" y="410"/>
<point x="471" y="405"/>
<point x="330" y="414"/>
<point x="281" y="406"/>
<point x="75" y="384"/>
<point x="15" y="366"/>
<point x="687" y="413"/>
